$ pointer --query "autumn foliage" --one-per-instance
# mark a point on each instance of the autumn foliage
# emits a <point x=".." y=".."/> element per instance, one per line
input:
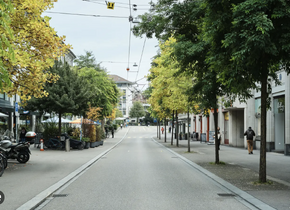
<point x="35" y="46"/>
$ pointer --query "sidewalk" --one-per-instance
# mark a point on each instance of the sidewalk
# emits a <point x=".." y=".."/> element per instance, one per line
<point x="241" y="169"/>
<point x="22" y="182"/>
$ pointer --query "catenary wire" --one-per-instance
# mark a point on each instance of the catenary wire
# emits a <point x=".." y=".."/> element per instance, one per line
<point x="140" y="58"/>
<point x="79" y="14"/>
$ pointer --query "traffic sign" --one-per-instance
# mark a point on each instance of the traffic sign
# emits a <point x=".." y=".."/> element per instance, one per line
<point x="110" y="5"/>
<point x="16" y="107"/>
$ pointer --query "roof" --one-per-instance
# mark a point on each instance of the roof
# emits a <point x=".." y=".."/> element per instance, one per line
<point x="118" y="79"/>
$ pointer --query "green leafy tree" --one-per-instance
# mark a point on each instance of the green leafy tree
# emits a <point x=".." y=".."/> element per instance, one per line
<point x="137" y="110"/>
<point x="104" y="91"/>
<point x="69" y="94"/>
<point x="250" y="41"/>
<point x="184" y="22"/>
<point x="88" y="60"/>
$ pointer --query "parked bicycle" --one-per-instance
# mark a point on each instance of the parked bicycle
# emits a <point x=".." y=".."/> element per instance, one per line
<point x="54" y="143"/>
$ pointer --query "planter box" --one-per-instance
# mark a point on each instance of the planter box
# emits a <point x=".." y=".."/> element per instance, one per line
<point x="87" y="145"/>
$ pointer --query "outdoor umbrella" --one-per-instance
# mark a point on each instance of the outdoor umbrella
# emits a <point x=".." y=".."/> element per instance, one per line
<point x="55" y="120"/>
<point x="85" y="121"/>
<point x="3" y="115"/>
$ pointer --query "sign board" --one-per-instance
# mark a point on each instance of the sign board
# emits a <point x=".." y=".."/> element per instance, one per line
<point x="110" y="5"/>
<point x="16" y="110"/>
<point x="203" y="137"/>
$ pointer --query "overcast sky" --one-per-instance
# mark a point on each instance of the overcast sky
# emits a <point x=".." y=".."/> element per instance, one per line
<point x="107" y="38"/>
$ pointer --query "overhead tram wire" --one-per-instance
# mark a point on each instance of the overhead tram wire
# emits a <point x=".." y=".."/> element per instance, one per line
<point x="88" y="15"/>
<point x="142" y="5"/>
<point x="129" y="50"/>
<point x="140" y="59"/>
<point x="116" y="5"/>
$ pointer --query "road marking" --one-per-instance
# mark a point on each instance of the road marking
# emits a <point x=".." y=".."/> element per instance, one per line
<point x="42" y="197"/>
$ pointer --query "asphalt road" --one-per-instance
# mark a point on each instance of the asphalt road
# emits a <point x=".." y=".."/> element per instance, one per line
<point x="141" y="174"/>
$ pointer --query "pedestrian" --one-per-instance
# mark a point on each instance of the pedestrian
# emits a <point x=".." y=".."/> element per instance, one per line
<point x="107" y="132"/>
<point x="22" y="135"/>
<point x="169" y="129"/>
<point x="162" y="129"/>
<point x="121" y="125"/>
<point x="250" y="137"/>
<point x="112" y="132"/>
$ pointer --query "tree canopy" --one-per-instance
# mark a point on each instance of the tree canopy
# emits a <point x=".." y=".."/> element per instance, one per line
<point x="137" y="110"/>
<point x="35" y="46"/>
<point x="69" y="94"/>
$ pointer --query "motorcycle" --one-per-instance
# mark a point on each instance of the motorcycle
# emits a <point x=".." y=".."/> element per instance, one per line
<point x="18" y="151"/>
<point x="2" y="163"/>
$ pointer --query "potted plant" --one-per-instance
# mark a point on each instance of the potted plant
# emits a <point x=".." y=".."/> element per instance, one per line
<point x="87" y="142"/>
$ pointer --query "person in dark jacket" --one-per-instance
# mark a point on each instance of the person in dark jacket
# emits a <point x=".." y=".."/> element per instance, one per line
<point x="250" y="137"/>
<point x="113" y="132"/>
<point x="22" y="135"/>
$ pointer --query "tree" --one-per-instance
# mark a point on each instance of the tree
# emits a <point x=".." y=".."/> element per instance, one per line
<point x="35" y="45"/>
<point x="105" y="93"/>
<point x="5" y="45"/>
<point x="137" y="110"/>
<point x="250" y="41"/>
<point x="69" y="94"/>
<point x="88" y="60"/>
<point x="184" y="22"/>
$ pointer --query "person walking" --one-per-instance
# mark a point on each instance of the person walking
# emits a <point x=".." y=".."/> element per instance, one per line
<point x="250" y="137"/>
<point x="121" y="125"/>
<point x="112" y="132"/>
<point x="22" y="135"/>
<point x="169" y="129"/>
<point x="107" y="132"/>
<point x="162" y="129"/>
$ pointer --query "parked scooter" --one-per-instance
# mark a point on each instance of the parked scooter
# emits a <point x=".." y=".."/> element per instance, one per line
<point x="2" y="163"/>
<point x="19" y="151"/>
<point x="4" y="158"/>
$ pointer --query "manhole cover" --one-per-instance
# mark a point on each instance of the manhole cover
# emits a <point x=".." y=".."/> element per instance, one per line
<point x="226" y="194"/>
<point x="59" y="195"/>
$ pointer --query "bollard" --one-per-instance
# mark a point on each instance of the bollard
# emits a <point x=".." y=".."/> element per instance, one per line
<point x="67" y="145"/>
<point x="41" y="145"/>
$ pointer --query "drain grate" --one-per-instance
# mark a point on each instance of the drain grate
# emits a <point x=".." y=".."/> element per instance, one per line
<point x="59" y="195"/>
<point x="226" y="194"/>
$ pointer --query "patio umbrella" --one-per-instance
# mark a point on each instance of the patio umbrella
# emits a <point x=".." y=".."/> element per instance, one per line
<point x="85" y="121"/>
<point x="3" y="115"/>
<point x="55" y="119"/>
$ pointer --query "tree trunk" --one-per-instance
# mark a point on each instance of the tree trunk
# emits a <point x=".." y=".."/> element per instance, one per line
<point x="59" y="124"/>
<point x="188" y="133"/>
<point x="177" y="129"/>
<point x="159" y="129"/>
<point x="165" y="130"/>
<point x="264" y="96"/>
<point x="172" y="127"/>
<point x="215" y="116"/>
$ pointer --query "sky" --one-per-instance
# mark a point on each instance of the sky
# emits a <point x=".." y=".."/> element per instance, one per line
<point x="108" y="38"/>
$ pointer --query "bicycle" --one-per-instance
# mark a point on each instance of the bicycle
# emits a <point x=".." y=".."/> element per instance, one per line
<point x="54" y="143"/>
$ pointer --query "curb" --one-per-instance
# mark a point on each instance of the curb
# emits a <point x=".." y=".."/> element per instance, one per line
<point x="254" y="202"/>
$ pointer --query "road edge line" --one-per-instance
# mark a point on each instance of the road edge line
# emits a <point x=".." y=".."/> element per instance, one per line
<point x="41" y="197"/>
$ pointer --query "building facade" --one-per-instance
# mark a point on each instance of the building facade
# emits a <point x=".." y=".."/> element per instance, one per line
<point x="235" y="120"/>
<point x="125" y="101"/>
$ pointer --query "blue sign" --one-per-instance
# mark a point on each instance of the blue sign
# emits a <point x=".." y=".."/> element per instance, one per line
<point x="16" y="107"/>
<point x="155" y="120"/>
